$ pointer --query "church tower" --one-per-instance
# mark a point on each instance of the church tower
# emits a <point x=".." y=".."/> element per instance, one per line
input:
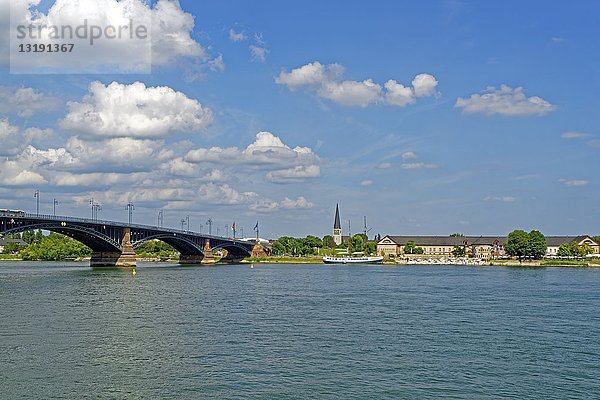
<point x="337" y="227"/>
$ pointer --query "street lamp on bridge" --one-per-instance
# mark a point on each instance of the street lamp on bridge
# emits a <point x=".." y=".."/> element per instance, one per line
<point x="37" y="202"/>
<point x="209" y="223"/>
<point x="161" y="218"/>
<point x="182" y="224"/>
<point x="55" y="203"/>
<point x="130" y="207"/>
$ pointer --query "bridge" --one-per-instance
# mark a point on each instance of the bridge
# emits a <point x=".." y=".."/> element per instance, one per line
<point x="113" y="244"/>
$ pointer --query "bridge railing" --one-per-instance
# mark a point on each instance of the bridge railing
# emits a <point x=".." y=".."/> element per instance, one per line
<point x="48" y="217"/>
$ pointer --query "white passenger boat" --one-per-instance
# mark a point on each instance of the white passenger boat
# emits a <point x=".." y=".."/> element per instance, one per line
<point x="352" y="260"/>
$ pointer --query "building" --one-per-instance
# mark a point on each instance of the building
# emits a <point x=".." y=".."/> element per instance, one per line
<point x="5" y="241"/>
<point x="337" y="227"/>
<point x="554" y="243"/>
<point x="475" y="246"/>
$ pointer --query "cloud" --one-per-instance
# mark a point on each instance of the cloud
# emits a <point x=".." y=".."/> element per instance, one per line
<point x="503" y="199"/>
<point x="366" y="183"/>
<point x="575" y="135"/>
<point x="327" y="81"/>
<point x="505" y="101"/>
<point x="408" y="155"/>
<point x="268" y="205"/>
<point x="296" y="174"/>
<point x="419" y="165"/>
<point x="237" y="36"/>
<point x="267" y="152"/>
<point x="163" y="35"/>
<point x="25" y="101"/>
<point x="134" y="110"/>
<point x="258" y="53"/>
<point x="299" y="203"/>
<point x="14" y="140"/>
<point x="574" y="182"/>
<point x="124" y="151"/>
<point x="385" y="165"/>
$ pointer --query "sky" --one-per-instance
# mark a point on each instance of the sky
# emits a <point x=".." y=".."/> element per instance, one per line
<point x="428" y="118"/>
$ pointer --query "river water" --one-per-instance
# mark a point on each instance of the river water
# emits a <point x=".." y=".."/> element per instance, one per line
<point x="298" y="332"/>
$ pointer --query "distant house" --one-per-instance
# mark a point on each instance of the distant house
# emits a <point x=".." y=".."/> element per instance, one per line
<point x="554" y="243"/>
<point x="442" y="246"/>
<point x="5" y="241"/>
<point x="475" y="246"/>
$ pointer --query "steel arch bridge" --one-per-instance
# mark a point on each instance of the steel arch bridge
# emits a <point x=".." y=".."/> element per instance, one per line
<point x="113" y="243"/>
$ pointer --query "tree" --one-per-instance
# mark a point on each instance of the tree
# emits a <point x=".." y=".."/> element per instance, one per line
<point x="564" y="250"/>
<point x="358" y="242"/>
<point x="517" y="244"/>
<point x="522" y="244"/>
<point x="457" y="235"/>
<point x="459" y="251"/>
<point x="410" y="248"/>
<point x="328" y="241"/>
<point x="277" y="248"/>
<point x="371" y="248"/>
<point x="55" y="247"/>
<point x="537" y="245"/>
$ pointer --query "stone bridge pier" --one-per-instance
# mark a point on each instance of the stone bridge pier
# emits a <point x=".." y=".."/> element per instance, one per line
<point x="126" y="258"/>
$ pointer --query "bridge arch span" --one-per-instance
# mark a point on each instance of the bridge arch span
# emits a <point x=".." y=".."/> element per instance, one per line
<point x="94" y="240"/>
<point x="179" y="243"/>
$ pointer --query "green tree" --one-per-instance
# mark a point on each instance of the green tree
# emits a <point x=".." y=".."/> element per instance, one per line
<point x="517" y="244"/>
<point x="459" y="251"/>
<point x="371" y="248"/>
<point x="55" y="247"/>
<point x="457" y="235"/>
<point x="564" y="250"/>
<point x="277" y="248"/>
<point x="596" y="239"/>
<point x="537" y="245"/>
<point x="328" y="241"/>
<point x="358" y="242"/>
<point x="411" y="248"/>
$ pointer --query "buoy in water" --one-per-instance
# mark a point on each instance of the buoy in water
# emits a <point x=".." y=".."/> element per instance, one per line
<point x="133" y="272"/>
<point x="251" y="266"/>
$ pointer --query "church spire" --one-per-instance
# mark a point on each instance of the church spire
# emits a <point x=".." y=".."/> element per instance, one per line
<point x="336" y="222"/>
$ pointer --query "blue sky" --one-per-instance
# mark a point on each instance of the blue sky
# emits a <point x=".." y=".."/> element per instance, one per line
<point x="499" y="131"/>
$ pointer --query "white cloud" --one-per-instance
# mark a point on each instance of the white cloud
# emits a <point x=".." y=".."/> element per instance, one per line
<point x="237" y="36"/>
<point x="505" y="101"/>
<point x="419" y="165"/>
<point x="575" y="135"/>
<point x="268" y="152"/>
<point x="117" y="152"/>
<point x="164" y="34"/>
<point x="366" y="183"/>
<point x="351" y="93"/>
<point x="296" y="174"/>
<point x="574" y="182"/>
<point x="503" y="199"/>
<point x="25" y="101"/>
<point x="13" y="140"/>
<point x="385" y="165"/>
<point x="327" y="82"/>
<point x="134" y="110"/>
<point x="424" y="85"/>
<point x="409" y="155"/>
<point x="299" y="203"/>
<point x="258" y="53"/>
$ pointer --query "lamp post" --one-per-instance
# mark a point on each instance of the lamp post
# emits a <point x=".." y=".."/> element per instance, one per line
<point x="182" y="224"/>
<point x="130" y="207"/>
<point x="37" y="202"/>
<point x="209" y="223"/>
<point x="55" y="203"/>
<point x="187" y="218"/>
<point x="160" y="218"/>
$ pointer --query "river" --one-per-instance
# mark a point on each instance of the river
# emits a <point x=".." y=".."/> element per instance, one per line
<point x="298" y="332"/>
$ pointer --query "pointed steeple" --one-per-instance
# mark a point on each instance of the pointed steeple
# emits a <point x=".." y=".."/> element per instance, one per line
<point x="336" y="222"/>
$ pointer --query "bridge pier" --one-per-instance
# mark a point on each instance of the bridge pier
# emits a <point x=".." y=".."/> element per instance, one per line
<point x="125" y="259"/>
<point x="208" y="255"/>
